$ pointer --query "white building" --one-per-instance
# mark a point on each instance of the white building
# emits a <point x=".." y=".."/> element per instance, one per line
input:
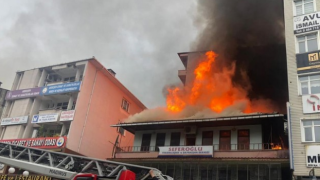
<point x="302" y="25"/>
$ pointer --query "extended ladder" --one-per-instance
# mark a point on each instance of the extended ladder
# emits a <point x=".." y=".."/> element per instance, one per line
<point x="66" y="166"/>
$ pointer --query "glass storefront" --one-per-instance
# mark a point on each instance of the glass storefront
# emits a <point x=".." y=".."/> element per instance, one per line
<point x="208" y="171"/>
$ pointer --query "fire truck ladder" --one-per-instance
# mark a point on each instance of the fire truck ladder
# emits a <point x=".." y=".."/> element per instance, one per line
<point x="67" y="166"/>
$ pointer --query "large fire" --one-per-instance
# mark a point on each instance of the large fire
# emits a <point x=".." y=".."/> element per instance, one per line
<point x="212" y="88"/>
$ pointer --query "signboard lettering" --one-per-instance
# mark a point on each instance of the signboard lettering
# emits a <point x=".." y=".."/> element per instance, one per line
<point x="61" y="88"/>
<point x="44" y="143"/>
<point x="67" y="115"/>
<point x="308" y="62"/>
<point x="21" y="177"/>
<point x="313" y="156"/>
<point x="43" y="118"/>
<point x="57" y="172"/>
<point x="311" y="103"/>
<point x="186" y="151"/>
<point x="14" y="120"/>
<point x="46" y="90"/>
<point x="306" y="23"/>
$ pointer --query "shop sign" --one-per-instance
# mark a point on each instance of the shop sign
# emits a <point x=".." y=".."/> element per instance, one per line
<point x="21" y="177"/>
<point x="14" y="120"/>
<point x="186" y="151"/>
<point x="61" y="88"/>
<point x="313" y="156"/>
<point x="311" y="103"/>
<point x="42" y="143"/>
<point x="44" y="118"/>
<point x="308" y="62"/>
<point x="23" y="93"/>
<point x="306" y="23"/>
<point x="67" y="115"/>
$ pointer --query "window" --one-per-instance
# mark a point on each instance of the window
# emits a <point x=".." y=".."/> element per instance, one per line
<point x="190" y="139"/>
<point x="243" y="139"/>
<point x="307" y="43"/>
<point x="311" y="131"/>
<point x="225" y="140"/>
<point x="309" y="84"/>
<point x="121" y="131"/>
<point x="161" y="138"/>
<point x="175" y="139"/>
<point x="207" y="138"/>
<point x="145" y="144"/>
<point x="62" y="105"/>
<point x="69" y="79"/>
<point x="303" y="7"/>
<point x="125" y="105"/>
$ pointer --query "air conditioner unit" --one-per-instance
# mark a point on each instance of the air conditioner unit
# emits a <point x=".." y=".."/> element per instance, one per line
<point x="190" y="129"/>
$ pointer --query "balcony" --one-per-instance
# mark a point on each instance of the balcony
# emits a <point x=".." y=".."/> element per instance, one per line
<point x="233" y="151"/>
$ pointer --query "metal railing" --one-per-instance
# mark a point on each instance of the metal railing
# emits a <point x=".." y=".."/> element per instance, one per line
<point x="216" y="147"/>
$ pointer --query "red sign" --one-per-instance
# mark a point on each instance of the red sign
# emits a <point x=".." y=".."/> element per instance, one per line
<point x="42" y="143"/>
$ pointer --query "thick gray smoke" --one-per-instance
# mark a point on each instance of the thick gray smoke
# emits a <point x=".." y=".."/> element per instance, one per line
<point x="249" y="33"/>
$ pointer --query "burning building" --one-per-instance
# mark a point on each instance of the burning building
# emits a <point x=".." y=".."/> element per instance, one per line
<point x="216" y="131"/>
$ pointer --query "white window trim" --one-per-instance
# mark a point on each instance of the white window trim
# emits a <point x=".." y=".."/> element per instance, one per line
<point x="306" y="46"/>
<point x="309" y="84"/>
<point x="295" y="9"/>
<point x="303" y="133"/>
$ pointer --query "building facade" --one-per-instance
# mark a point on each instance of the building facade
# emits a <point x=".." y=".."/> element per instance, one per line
<point x="68" y="107"/>
<point x="243" y="147"/>
<point x="302" y="20"/>
<point x="3" y="93"/>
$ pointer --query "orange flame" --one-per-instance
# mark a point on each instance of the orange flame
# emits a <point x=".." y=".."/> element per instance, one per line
<point x="212" y="88"/>
<point x="277" y="147"/>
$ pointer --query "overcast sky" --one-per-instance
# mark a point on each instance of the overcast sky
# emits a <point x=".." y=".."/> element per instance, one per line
<point x="139" y="40"/>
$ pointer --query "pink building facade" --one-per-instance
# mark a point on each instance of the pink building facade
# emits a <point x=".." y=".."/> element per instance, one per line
<point x="70" y="108"/>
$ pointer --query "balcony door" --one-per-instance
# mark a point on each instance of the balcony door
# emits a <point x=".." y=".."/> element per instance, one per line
<point x="161" y="138"/>
<point x="225" y="140"/>
<point x="145" y="143"/>
<point x="190" y="139"/>
<point x="243" y="139"/>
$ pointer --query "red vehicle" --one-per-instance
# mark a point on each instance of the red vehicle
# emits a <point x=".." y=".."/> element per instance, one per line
<point x="73" y="167"/>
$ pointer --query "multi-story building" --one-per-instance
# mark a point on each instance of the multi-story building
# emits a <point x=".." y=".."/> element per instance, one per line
<point x="3" y="93"/>
<point x="302" y="24"/>
<point x="68" y="107"/>
<point x="236" y="147"/>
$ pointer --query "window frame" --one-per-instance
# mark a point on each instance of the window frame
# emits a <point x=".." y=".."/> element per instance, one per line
<point x="308" y="81"/>
<point x="125" y="105"/>
<point x="312" y="128"/>
<point x="306" y="42"/>
<point x="202" y="138"/>
<point x="303" y="7"/>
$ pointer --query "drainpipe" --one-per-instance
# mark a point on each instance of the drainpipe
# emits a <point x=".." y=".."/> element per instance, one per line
<point x="85" y="122"/>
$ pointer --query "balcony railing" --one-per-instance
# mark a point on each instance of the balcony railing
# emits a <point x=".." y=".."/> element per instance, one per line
<point x="216" y="147"/>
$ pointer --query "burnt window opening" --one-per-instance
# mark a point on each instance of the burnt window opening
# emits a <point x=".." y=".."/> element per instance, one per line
<point x="175" y="139"/>
<point x="243" y="139"/>
<point x="145" y="144"/>
<point x="225" y="140"/>
<point x="207" y="138"/>
<point x="160" y="141"/>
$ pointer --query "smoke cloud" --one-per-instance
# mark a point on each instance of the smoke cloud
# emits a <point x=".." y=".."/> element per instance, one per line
<point x="249" y="34"/>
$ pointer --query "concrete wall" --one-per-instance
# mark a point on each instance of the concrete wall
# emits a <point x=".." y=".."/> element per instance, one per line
<point x="255" y="135"/>
<point x="3" y="93"/>
<point x="98" y="107"/>
<point x="295" y="100"/>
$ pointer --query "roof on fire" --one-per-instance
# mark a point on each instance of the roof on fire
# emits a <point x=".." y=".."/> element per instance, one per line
<point x="249" y="119"/>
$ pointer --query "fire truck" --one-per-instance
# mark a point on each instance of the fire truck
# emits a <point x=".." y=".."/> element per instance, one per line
<point x="72" y="167"/>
